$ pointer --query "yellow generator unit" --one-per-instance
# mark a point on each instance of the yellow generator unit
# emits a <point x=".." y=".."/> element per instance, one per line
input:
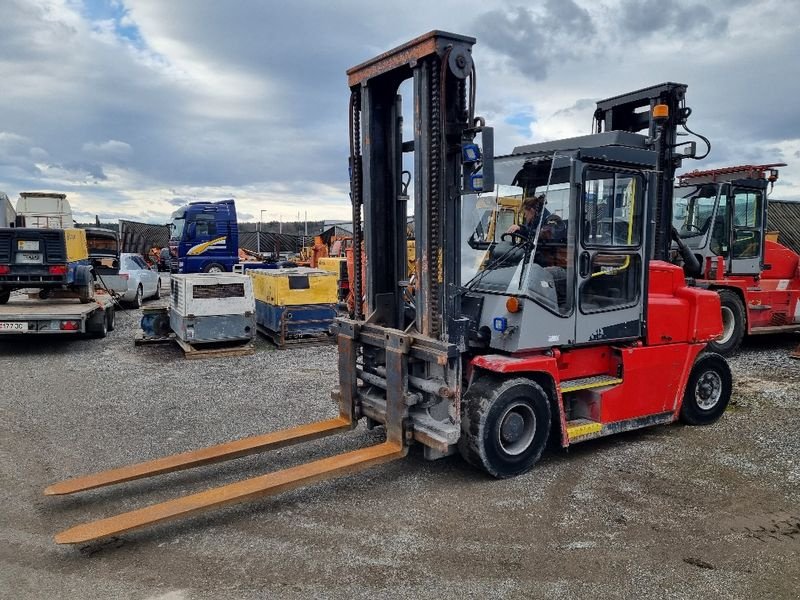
<point x="295" y="305"/>
<point x="337" y="265"/>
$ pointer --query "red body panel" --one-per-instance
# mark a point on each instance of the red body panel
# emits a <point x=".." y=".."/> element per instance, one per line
<point x="653" y="382"/>
<point x="677" y="313"/>
<point x="680" y="320"/>
<point x="773" y="298"/>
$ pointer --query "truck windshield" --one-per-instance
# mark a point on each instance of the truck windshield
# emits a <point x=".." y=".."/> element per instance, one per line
<point x="693" y="210"/>
<point x="514" y="250"/>
<point x="178" y="224"/>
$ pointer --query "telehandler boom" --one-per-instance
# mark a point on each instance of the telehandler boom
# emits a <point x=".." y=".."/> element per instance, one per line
<point x="574" y="329"/>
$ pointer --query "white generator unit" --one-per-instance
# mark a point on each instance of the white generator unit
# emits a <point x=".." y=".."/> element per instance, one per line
<point x="212" y="307"/>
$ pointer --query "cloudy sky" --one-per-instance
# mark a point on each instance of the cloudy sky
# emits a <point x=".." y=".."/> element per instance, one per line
<point x="133" y="107"/>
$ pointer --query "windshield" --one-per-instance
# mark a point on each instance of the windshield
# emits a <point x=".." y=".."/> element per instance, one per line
<point x="516" y="235"/>
<point x="693" y="210"/>
<point x="178" y="223"/>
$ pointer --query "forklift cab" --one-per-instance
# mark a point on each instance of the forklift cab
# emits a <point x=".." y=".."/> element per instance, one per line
<point x="724" y="219"/>
<point x="578" y="276"/>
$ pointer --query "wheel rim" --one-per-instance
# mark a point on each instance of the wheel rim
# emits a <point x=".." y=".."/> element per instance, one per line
<point x="516" y="428"/>
<point x="728" y="322"/>
<point x="215" y="270"/>
<point x="708" y="390"/>
<point x="139" y="296"/>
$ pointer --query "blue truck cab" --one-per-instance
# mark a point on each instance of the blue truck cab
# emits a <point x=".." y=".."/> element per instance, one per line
<point x="204" y="238"/>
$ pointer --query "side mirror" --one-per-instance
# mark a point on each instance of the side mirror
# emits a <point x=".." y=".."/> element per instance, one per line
<point x="191" y="230"/>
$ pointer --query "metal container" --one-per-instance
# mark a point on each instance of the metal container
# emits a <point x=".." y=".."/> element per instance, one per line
<point x="206" y="308"/>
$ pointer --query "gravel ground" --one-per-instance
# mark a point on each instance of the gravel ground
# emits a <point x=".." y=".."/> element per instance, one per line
<point x="672" y="511"/>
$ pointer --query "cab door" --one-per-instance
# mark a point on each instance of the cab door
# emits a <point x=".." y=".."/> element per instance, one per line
<point x="748" y="211"/>
<point x="610" y="248"/>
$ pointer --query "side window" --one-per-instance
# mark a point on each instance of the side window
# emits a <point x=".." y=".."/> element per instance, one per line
<point x="719" y="231"/>
<point x="610" y="266"/>
<point x="614" y="282"/>
<point x="205" y="225"/>
<point x="747" y="210"/>
<point x="612" y="209"/>
<point x="140" y="262"/>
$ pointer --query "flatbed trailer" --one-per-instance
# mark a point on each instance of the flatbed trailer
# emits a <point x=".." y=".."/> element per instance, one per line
<point x="23" y="315"/>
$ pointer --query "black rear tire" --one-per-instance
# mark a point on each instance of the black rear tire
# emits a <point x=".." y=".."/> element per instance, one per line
<point x="97" y="326"/>
<point x="505" y="424"/>
<point x="708" y="390"/>
<point x="139" y="298"/>
<point x="111" y="318"/>
<point x="4" y="296"/>
<point x="734" y="323"/>
<point x="44" y="294"/>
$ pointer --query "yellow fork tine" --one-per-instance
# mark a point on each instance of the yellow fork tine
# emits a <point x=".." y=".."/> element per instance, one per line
<point x="264" y="485"/>
<point x="203" y="456"/>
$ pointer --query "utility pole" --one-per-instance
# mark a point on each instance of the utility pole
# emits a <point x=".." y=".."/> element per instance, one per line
<point x="258" y="233"/>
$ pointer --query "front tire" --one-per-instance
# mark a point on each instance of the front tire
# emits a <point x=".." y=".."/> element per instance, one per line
<point x="505" y="424"/>
<point x="4" y="296"/>
<point x="213" y="268"/>
<point x="733" y="324"/>
<point x="111" y="318"/>
<point x="708" y="390"/>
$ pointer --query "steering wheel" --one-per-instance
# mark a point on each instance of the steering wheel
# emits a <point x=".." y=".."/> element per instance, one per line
<point x="516" y="238"/>
<point x="690" y="226"/>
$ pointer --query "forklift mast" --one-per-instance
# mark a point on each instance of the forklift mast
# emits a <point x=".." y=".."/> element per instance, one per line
<point x="440" y="65"/>
<point x="624" y="113"/>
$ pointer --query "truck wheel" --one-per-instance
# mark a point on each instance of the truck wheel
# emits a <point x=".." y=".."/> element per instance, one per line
<point x="733" y="324"/>
<point x="44" y="294"/>
<point x="4" y="296"/>
<point x="97" y="326"/>
<point x="86" y="293"/>
<point x="111" y="318"/>
<point x="708" y="390"/>
<point x="213" y="268"/>
<point x="505" y="424"/>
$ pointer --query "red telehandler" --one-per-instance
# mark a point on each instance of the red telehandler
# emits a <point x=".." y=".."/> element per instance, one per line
<point x="502" y="343"/>
<point x="720" y="215"/>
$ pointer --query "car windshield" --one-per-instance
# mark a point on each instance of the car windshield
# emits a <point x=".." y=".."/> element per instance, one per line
<point x="516" y="235"/>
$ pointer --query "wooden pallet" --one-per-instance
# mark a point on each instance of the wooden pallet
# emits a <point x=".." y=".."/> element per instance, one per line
<point x="216" y="350"/>
<point x="284" y="343"/>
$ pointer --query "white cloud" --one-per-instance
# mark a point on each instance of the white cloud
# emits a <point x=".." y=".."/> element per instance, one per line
<point x="211" y="99"/>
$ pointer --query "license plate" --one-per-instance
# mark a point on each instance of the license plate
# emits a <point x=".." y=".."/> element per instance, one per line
<point x="28" y="245"/>
<point x="13" y="326"/>
<point x="29" y="258"/>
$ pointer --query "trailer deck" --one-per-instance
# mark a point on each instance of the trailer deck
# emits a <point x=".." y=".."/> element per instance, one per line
<point x="25" y="315"/>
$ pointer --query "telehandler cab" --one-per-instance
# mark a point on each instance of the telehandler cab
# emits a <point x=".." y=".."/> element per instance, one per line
<point x="501" y="343"/>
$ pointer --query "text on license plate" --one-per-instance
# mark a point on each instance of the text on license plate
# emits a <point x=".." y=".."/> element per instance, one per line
<point x="29" y="258"/>
<point x="13" y="326"/>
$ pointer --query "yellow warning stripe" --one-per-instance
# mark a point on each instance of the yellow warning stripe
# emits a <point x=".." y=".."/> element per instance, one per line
<point x="593" y="384"/>
<point x="575" y="431"/>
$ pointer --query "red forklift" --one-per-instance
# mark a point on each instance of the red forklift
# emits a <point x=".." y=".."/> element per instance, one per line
<point x="721" y="216"/>
<point x="575" y="332"/>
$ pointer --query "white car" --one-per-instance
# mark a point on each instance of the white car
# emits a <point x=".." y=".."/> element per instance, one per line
<point x="143" y="282"/>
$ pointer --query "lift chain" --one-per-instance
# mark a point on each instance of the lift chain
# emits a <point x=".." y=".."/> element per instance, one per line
<point x="435" y="200"/>
<point x="357" y="199"/>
